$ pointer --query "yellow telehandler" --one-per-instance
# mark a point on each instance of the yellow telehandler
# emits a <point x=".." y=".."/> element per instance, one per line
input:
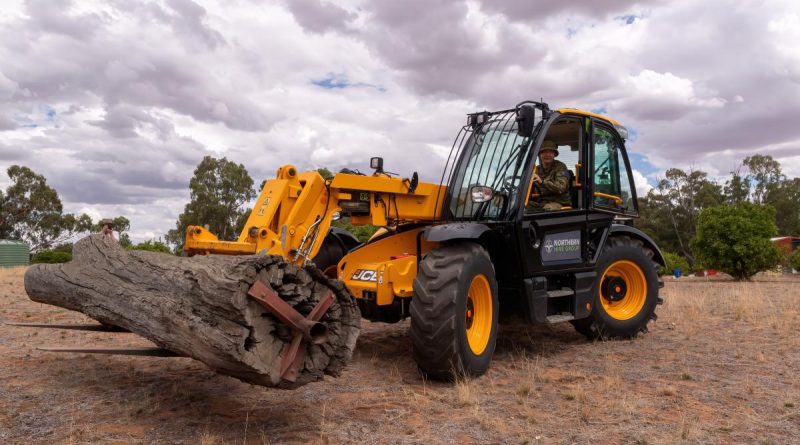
<point x="456" y="255"/>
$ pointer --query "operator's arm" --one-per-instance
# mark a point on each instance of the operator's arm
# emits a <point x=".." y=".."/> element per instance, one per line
<point x="557" y="182"/>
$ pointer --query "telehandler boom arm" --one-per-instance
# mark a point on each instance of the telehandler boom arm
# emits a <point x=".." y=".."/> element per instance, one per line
<point x="294" y="211"/>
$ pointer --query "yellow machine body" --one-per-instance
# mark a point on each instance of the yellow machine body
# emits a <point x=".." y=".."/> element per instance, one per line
<point x="385" y="268"/>
<point x="294" y="211"/>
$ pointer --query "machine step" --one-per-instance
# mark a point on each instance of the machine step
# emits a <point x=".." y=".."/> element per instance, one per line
<point x="558" y="318"/>
<point x="563" y="292"/>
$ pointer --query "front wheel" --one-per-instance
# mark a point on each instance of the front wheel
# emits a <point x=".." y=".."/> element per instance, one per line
<point x="625" y="293"/>
<point x="454" y="312"/>
<point x="330" y="253"/>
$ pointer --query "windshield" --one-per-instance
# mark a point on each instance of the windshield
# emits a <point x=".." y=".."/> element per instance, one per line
<point x="493" y="156"/>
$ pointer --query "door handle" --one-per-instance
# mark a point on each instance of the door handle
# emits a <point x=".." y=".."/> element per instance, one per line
<point x="532" y="235"/>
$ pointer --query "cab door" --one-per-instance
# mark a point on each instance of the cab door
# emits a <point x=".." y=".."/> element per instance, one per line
<point x="610" y="177"/>
<point x="554" y="241"/>
<point x="609" y="190"/>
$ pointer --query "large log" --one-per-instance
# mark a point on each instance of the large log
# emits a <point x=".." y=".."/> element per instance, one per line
<point x="199" y="307"/>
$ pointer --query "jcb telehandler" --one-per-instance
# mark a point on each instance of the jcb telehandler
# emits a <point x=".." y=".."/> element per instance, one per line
<point x="456" y="255"/>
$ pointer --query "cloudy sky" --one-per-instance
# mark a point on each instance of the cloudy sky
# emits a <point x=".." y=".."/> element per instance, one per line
<point x="116" y="102"/>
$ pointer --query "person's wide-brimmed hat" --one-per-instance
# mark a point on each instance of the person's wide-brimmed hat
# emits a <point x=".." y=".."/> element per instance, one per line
<point x="549" y="145"/>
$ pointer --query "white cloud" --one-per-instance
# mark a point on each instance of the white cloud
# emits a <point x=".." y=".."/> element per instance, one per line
<point x="141" y="91"/>
<point x="662" y="96"/>
<point x="641" y="183"/>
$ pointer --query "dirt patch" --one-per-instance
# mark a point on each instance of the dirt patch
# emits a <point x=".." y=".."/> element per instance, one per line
<point x="719" y="366"/>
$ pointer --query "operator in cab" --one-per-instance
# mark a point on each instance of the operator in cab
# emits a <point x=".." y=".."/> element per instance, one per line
<point x="551" y="180"/>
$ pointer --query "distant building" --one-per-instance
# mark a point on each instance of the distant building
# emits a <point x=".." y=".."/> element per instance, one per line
<point x="14" y="253"/>
<point x="788" y="243"/>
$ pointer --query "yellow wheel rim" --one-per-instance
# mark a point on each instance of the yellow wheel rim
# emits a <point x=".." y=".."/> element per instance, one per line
<point x="478" y="316"/>
<point x="623" y="290"/>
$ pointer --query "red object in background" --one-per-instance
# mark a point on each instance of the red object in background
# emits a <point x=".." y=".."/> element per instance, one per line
<point x="788" y="243"/>
<point x="711" y="272"/>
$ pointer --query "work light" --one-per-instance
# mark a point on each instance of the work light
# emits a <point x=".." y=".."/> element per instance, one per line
<point x="376" y="164"/>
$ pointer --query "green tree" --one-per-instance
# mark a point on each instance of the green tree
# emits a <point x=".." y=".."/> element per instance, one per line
<point x="325" y="173"/>
<point x="32" y="211"/>
<point x="5" y="222"/>
<point x="218" y="191"/>
<point x="737" y="189"/>
<point x="736" y="239"/>
<point x="785" y="197"/>
<point x="764" y="175"/>
<point x="669" y="212"/>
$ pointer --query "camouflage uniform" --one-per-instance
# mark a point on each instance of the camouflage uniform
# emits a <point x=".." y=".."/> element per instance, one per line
<point x="555" y="187"/>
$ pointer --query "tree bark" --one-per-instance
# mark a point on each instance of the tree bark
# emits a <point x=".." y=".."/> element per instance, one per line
<point x="199" y="307"/>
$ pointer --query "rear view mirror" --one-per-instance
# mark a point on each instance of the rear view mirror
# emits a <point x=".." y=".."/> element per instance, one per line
<point x="526" y="120"/>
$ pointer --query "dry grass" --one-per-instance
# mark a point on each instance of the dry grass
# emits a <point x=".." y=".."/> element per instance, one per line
<point x="207" y="438"/>
<point x="466" y="391"/>
<point x="719" y="366"/>
<point x="12" y="272"/>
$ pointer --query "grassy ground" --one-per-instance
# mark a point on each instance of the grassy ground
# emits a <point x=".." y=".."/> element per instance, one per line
<point x="720" y="366"/>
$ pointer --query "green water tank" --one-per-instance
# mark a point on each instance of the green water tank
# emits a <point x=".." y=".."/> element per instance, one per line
<point x="13" y="253"/>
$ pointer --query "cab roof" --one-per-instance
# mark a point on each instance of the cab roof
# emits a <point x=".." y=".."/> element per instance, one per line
<point x="590" y="114"/>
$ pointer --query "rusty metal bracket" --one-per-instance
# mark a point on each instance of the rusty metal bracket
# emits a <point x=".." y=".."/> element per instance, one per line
<point x="305" y="328"/>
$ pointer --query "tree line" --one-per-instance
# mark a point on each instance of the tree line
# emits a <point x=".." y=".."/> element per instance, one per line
<point x="702" y="223"/>
<point x="697" y="221"/>
<point x="32" y="211"/>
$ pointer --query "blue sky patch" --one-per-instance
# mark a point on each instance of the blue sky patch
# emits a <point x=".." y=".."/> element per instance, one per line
<point x="628" y="19"/>
<point x="571" y="32"/>
<point x="332" y="82"/>
<point x="641" y="163"/>
<point x="633" y="135"/>
<point x="339" y="82"/>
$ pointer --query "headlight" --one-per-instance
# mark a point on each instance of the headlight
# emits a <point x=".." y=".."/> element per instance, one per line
<point x="481" y="193"/>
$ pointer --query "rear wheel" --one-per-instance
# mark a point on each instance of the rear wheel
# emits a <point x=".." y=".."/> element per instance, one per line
<point x="625" y="293"/>
<point x="454" y="312"/>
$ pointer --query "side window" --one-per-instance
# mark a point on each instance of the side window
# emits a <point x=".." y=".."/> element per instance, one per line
<point x="612" y="189"/>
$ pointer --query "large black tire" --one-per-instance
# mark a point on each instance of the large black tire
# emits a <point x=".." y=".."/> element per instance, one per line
<point x="602" y="322"/>
<point x="329" y="255"/>
<point x="447" y="300"/>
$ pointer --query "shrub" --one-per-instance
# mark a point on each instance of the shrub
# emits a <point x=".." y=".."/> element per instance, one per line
<point x="795" y="259"/>
<point x="674" y="261"/>
<point x="363" y="233"/>
<point x="63" y="247"/>
<point x="736" y="239"/>
<point x="51" y="257"/>
<point x="152" y="246"/>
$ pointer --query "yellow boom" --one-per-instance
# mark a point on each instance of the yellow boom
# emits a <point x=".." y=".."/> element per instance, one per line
<point x="294" y="211"/>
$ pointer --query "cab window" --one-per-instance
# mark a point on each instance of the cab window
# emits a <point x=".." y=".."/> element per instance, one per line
<point x="566" y="135"/>
<point x="612" y="187"/>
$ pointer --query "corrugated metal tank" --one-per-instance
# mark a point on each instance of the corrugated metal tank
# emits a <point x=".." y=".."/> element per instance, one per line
<point x="13" y="253"/>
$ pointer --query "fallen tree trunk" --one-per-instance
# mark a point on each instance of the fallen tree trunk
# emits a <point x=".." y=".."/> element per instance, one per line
<point x="198" y="307"/>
